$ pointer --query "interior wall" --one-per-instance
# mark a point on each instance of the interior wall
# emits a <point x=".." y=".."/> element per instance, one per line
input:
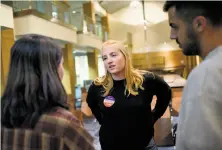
<point x="131" y="20"/>
<point x="33" y="24"/>
<point x="6" y="13"/>
<point x="88" y="40"/>
<point x="118" y="30"/>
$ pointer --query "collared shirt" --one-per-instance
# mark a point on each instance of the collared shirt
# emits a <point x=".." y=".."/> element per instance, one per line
<point x="56" y="130"/>
<point x="200" y="124"/>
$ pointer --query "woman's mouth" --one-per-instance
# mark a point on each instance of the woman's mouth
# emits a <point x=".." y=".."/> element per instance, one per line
<point x="111" y="66"/>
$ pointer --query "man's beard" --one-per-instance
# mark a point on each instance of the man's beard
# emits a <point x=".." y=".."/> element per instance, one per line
<point x="192" y="46"/>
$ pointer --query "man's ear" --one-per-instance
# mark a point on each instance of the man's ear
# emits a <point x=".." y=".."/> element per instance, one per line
<point x="199" y="23"/>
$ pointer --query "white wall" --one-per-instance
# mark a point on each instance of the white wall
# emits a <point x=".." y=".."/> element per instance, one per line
<point x="6" y="16"/>
<point x="32" y="24"/>
<point x="119" y="30"/>
<point x="87" y="40"/>
<point x="128" y="15"/>
<point x="130" y="19"/>
<point x="157" y="38"/>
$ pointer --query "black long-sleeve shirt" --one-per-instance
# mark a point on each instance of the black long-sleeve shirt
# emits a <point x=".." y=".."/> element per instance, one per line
<point x="128" y="123"/>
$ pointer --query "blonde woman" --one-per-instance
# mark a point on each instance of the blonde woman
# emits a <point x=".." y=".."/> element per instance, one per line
<point x="121" y="101"/>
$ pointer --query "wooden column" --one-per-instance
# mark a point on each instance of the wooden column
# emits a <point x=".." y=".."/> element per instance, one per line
<point x="89" y="16"/>
<point x="129" y="42"/>
<point x="69" y="65"/>
<point x="105" y="27"/>
<point x="89" y="11"/>
<point x="190" y="63"/>
<point x="93" y="64"/>
<point x="7" y="41"/>
<point x="2" y="81"/>
<point x="199" y="60"/>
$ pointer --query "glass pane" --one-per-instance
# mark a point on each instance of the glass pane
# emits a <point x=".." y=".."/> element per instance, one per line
<point x="20" y="5"/>
<point x="40" y="6"/>
<point x="54" y="12"/>
<point x="82" y="69"/>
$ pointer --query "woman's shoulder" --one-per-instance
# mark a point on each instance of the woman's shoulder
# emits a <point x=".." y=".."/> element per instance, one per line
<point x="62" y="123"/>
<point x="59" y="117"/>
<point x="97" y="83"/>
<point x="149" y="75"/>
<point x="64" y="114"/>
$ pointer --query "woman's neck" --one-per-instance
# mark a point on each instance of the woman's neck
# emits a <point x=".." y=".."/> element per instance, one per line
<point x="119" y="76"/>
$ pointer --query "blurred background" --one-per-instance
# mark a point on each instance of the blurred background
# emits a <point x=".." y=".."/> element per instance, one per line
<point x="80" y="28"/>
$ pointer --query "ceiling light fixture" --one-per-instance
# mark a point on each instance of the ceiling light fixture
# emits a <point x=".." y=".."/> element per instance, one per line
<point x="135" y="4"/>
<point x="54" y="14"/>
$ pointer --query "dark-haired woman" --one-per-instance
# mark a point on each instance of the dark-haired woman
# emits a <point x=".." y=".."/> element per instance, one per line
<point x="34" y="110"/>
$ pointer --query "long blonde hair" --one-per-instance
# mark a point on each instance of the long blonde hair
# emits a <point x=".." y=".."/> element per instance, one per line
<point x="134" y="77"/>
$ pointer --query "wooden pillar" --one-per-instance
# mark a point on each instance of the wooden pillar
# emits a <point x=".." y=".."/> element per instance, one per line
<point x="129" y="42"/>
<point x="69" y="65"/>
<point x="199" y="60"/>
<point x="191" y="62"/>
<point x="89" y="16"/>
<point x="89" y="11"/>
<point x="7" y="41"/>
<point x="2" y="81"/>
<point x="105" y="27"/>
<point x="93" y="64"/>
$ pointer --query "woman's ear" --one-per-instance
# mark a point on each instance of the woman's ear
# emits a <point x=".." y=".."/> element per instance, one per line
<point x="61" y="69"/>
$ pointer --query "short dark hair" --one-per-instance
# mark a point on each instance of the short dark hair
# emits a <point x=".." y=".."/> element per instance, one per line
<point x="33" y="86"/>
<point x="188" y="10"/>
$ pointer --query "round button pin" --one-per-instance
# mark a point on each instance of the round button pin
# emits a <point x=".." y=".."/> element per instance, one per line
<point x="109" y="101"/>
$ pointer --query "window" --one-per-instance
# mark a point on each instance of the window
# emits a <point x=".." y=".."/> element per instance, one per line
<point x="82" y="69"/>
